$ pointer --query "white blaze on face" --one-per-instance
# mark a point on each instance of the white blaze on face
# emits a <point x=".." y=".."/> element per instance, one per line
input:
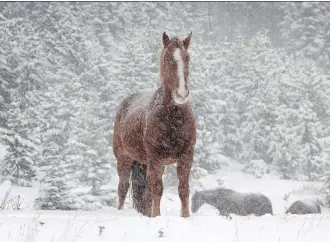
<point x="180" y="72"/>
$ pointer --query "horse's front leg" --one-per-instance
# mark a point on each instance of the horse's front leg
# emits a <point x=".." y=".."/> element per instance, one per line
<point x="183" y="172"/>
<point x="155" y="172"/>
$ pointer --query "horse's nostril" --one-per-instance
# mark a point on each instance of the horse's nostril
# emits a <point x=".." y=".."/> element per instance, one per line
<point x="187" y="93"/>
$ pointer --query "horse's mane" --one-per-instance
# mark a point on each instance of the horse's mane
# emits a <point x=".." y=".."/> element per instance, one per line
<point x="214" y="192"/>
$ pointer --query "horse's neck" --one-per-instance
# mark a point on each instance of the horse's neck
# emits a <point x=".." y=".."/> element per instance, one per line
<point x="209" y="198"/>
<point x="166" y="95"/>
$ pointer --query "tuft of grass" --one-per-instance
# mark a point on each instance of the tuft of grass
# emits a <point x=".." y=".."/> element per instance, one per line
<point x="307" y="189"/>
<point x="13" y="203"/>
<point x="28" y="232"/>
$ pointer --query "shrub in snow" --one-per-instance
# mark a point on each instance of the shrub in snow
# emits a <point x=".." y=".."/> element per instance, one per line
<point x="198" y="172"/>
<point x="215" y="161"/>
<point x="92" y="206"/>
<point x="307" y="189"/>
<point x="57" y="194"/>
<point x="5" y="189"/>
<point x="14" y="203"/>
<point x="55" y="200"/>
<point x="327" y="196"/>
<point x="326" y="190"/>
<point x="222" y="160"/>
<point x="257" y="167"/>
<point x="106" y="197"/>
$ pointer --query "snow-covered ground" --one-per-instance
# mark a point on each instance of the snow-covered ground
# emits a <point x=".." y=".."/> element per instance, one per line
<point x="128" y="226"/>
<point x="205" y="225"/>
<point x="109" y="224"/>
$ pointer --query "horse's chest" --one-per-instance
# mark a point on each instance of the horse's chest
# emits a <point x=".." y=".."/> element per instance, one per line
<point x="170" y="132"/>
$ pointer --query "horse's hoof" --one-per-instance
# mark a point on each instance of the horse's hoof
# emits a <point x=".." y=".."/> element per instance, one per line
<point x="185" y="215"/>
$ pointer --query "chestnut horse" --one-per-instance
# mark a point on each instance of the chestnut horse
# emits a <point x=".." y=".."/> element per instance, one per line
<point x="153" y="130"/>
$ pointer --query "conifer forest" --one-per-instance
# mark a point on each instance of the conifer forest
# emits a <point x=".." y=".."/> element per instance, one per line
<point x="259" y="79"/>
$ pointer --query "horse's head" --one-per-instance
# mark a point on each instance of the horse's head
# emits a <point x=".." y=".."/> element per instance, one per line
<point x="175" y="66"/>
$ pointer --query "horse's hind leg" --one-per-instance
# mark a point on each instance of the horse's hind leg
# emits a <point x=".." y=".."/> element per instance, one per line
<point x="124" y="165"/>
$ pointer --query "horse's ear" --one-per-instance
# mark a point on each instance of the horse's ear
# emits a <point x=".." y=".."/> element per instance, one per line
<point x="187" y="41"/>
<point x="165" y="39"/>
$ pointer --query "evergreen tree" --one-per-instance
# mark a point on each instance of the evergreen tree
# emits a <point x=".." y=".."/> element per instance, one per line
<point x="65" y="67"/>
<point x="313" y="165"/>
<point x="20" y="88"/>
<point x="284" y="149"/>
<point x="305" y="30"/>
<point x="228" y="132"/>
<point x="249" y="73"/>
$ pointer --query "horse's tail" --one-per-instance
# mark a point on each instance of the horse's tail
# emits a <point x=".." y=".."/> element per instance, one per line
<point x="141" y="201"/>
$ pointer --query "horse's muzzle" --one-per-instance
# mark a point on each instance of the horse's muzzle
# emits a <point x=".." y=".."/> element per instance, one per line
<point x="179" y="99"/>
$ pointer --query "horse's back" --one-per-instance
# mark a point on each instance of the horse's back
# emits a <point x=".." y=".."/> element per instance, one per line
<point x="251" y="203"/>
<point x="134" y="104"/>
<point x="129" y="125"/>
<point x="304" y="207"/>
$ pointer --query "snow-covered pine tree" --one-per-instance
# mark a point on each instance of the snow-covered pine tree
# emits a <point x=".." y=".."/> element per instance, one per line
<point x="18" y="165"/>
<point x="228" y="132"/>
<point x="208" y="105"/>
<point x="304" y="90"/>
<point x="305" y="30"/>
<point x="249" y="74"/>
<point x="95" y="165"/>
<point x="284" y="148"/>
<point x="311" y="162"/>
<point x="56" y="192"/>
<point x="20" y="84"/>
<point x="62" y="151"/>
<point x="310" y="82"/>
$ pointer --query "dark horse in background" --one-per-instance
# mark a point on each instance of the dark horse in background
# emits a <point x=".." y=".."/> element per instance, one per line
<point x="153" y="130"/>
<point x="306" y="206"/>
<point x="228" y="201"/>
